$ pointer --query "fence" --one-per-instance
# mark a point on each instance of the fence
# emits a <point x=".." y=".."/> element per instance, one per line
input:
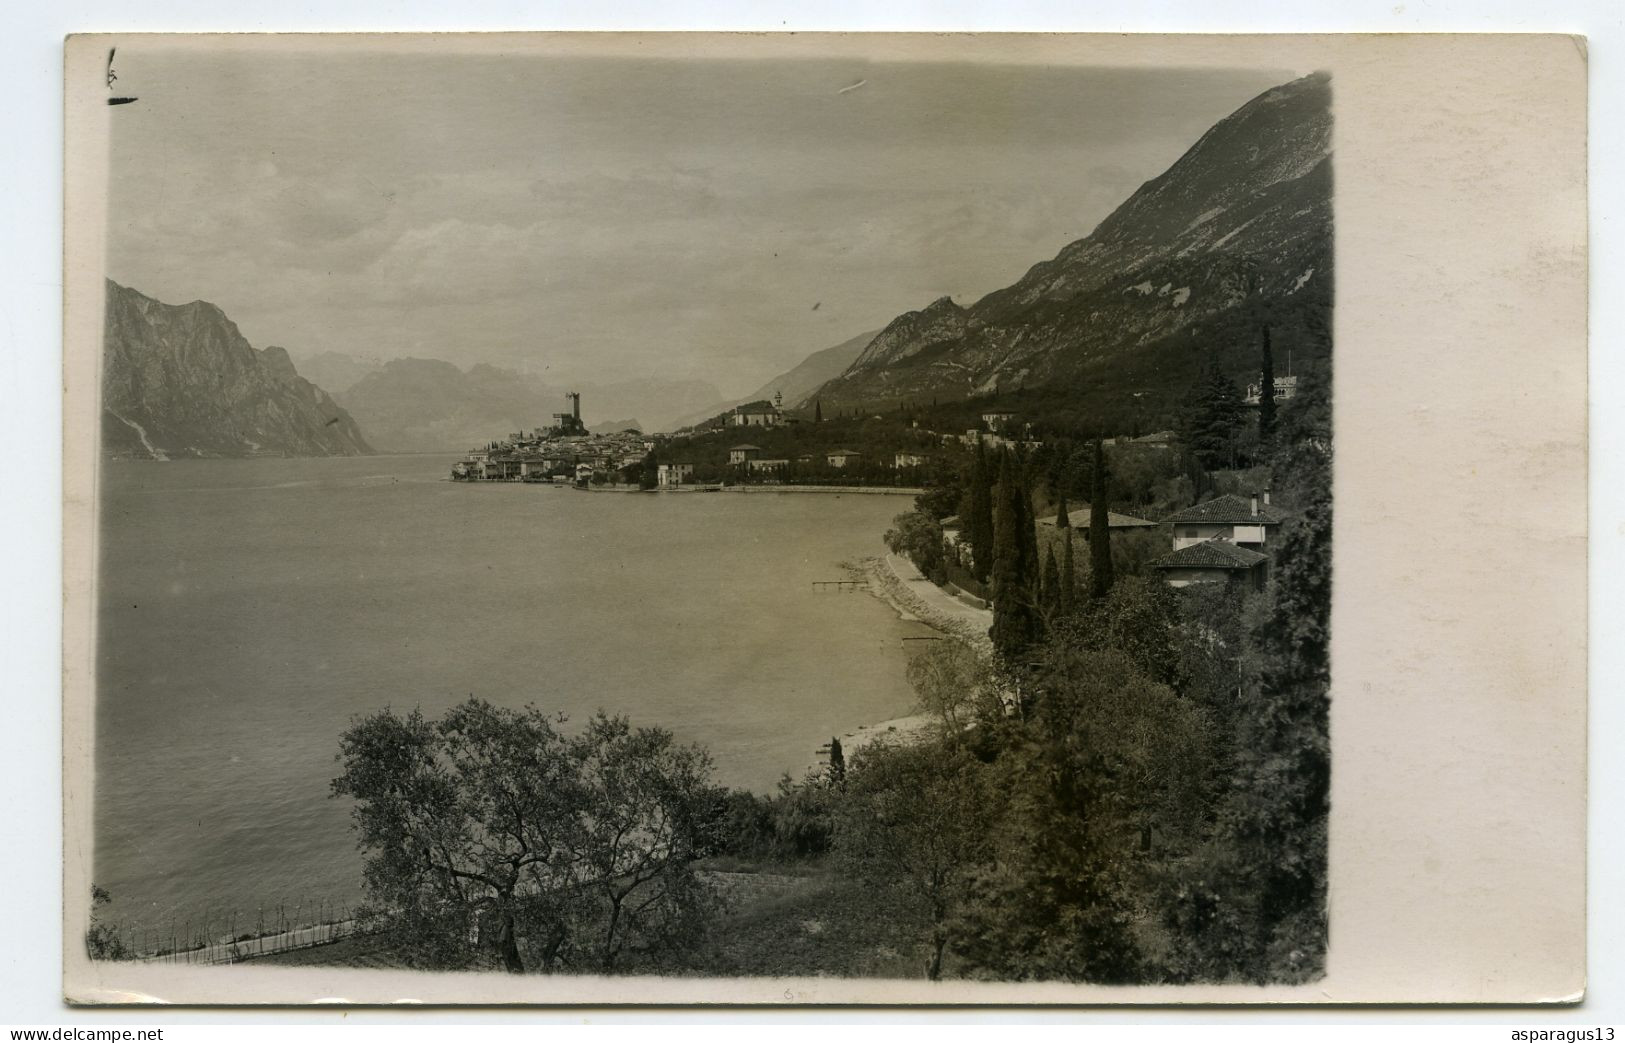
<point x="234" y="951"/>
<point x="228" y="937"/>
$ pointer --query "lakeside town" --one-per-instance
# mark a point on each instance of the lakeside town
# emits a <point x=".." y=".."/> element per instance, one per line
<point x="1224" y="538"/>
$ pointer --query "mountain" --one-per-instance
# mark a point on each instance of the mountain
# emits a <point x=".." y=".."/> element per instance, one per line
<point x="796" y="385"/>
<point x="1136" y="308"/>
<point x="336" y="371"/>
<point x="429" y="405"/>
<point x="180" y="380"/>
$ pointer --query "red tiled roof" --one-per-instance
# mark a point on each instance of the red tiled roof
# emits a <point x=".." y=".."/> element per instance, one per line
<point x="1211" y="554"/>
<point x="1079" y="517"/>
<point x="1228" y="510"/>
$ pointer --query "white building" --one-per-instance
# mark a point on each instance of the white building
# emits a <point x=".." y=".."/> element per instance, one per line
<point x="672" y="475"/>
<point x="1285" y="388"/>
<point x="1245" y="521"/>
<point x="755" y="414"/>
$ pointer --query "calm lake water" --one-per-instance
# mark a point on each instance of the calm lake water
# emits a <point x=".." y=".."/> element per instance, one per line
<point x="249" y="609"/>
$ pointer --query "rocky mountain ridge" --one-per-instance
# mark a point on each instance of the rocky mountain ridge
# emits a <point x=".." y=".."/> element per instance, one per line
<point x="180" y="380"/>
<point x="797" y="384"/>
<point x="1155" y="288"/>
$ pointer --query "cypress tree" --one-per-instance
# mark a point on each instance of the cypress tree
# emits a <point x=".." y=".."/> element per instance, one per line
<point x="1266" y="389"/>
<point x="818" y="411"/>
<point x="1051" y="599"/>
<point x="1100" y="540"/>
<point x="1069" y="583"/>
<point x="1027" y="522"/>
<point x="979" y="523"/>
<point x="1012" y="618"/>
<point x="1061" y="519"/>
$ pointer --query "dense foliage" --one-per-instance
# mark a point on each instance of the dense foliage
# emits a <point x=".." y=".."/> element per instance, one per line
<point x="493" y="837"/>
<point x="1156" y="810"/>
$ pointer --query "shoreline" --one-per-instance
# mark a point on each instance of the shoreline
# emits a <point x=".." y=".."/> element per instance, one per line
<point x="895" y="580"/>
<point x="861" y="490"/>
<point x="615" y="487"/>
<point x="892" y="580"/>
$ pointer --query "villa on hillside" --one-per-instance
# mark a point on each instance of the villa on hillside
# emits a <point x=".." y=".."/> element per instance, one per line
<point x="741" y="454"/>
<point x="1221" y="541"/>
<point x="997" y="422"/>
<point x="976" y="436"/>
<point x="766" y="465"/>
<point x="1214" y="561"/>
<point x="841" y="457"/>
<point x="1243" y="520"/>
<point x="1285" y="388"/>
<point x="755" y="414"/>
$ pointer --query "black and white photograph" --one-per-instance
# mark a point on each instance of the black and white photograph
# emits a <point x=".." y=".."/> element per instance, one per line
<point x="725" y="510"/>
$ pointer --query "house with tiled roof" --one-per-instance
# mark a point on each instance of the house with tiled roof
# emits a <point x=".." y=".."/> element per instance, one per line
<point x="1247" y="521"/>
<point x="1213" y="561"/>
<point x="1078" y="515"/>
<point x="841" y="457"/>
<point x="741" y="454"/>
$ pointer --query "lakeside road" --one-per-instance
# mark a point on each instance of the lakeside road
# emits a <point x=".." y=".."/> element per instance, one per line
<point x="895" y="579"/>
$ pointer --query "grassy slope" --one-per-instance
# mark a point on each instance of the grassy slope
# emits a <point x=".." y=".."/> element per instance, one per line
<point x="783" y="921"/>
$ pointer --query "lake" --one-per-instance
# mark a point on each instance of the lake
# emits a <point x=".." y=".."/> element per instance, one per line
<point x="249" y="609"/>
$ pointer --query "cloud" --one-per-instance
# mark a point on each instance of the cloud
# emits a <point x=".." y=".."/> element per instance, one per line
<point x="619" y="219"/>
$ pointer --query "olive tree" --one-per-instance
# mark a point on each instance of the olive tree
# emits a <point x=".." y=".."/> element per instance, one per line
<point x="914" y="820"/>
<point x="955" y="687"/>
<point x="493" y="836"/>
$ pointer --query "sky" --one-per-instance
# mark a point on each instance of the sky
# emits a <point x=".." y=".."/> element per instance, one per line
<point x="603" y="217"/>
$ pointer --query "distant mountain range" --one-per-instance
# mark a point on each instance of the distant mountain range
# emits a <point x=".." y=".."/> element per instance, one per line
<point x="180" y="380"/>
<point x="797" y="385"/>
<point x="430" y="405"/>
<point x="336" y="371"/>
<point x="1138" y="306"/>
